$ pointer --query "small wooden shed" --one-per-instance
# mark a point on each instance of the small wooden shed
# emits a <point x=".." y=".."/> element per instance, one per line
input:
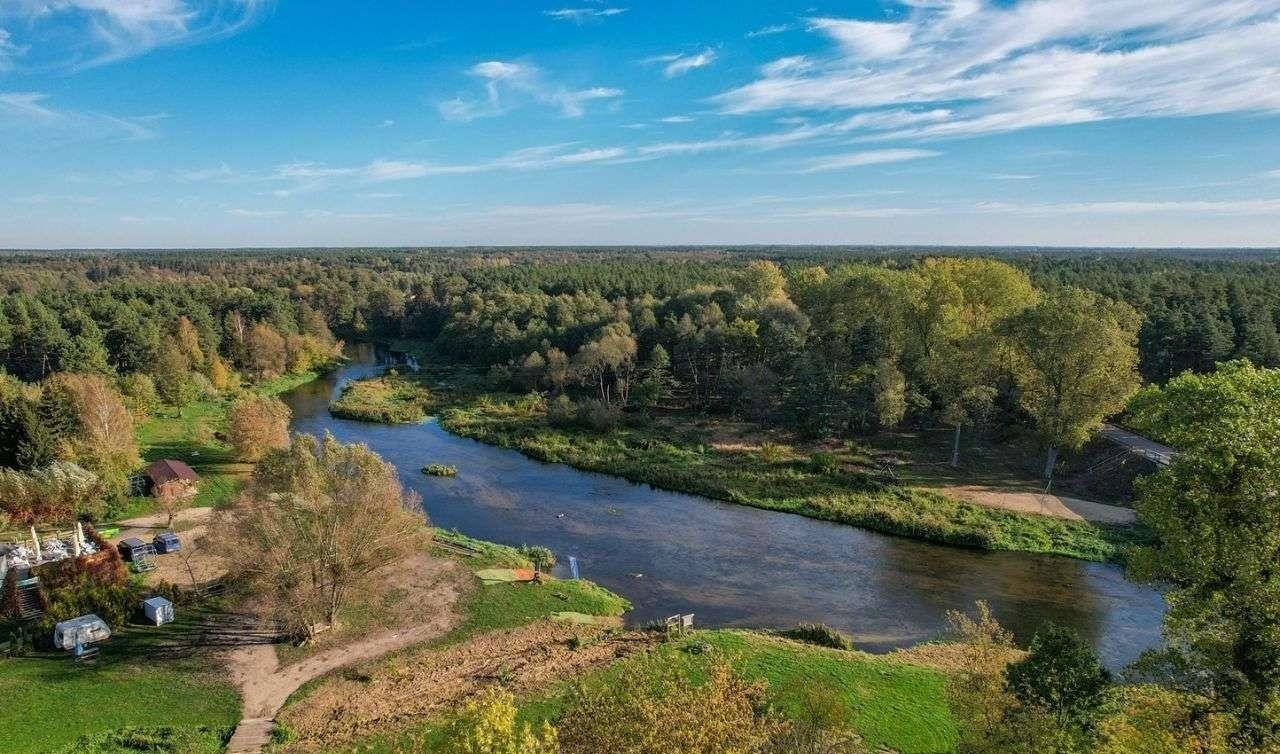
<point x="169" y="476"/>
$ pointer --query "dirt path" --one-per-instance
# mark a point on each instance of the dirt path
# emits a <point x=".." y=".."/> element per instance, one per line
<point x="265" y="685"/>
<point x="1069" y="508"/>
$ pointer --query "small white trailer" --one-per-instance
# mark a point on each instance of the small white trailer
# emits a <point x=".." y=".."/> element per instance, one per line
<point x="85" y="630"/>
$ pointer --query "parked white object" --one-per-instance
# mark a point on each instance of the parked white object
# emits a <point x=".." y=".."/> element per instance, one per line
<point x="158" y="610"/>
<point x="85" y="630"/>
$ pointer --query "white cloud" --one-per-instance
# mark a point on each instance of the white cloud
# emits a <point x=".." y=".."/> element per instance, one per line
<point x="769" y="31"/>
<point x="866" y="39"/>
<point x="509" y="85"/>
<point x="1006" y="66"/>
<point x="677" y="65"/>
<point x="307" y="177"/>
<point x="81" y="33"/>
<point x="9" y="50"/>
<point x="677" y="119"/>
<point x="786" y="66"/>
<point x="860" y="159"/>
<point x="1274" y="173"/>
<point x="32" y="115"/>
<point x="386" y="123"/>
<point x="580" y="15"/>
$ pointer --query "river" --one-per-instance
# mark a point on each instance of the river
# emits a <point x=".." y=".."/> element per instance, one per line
<point x="731" y="565"/>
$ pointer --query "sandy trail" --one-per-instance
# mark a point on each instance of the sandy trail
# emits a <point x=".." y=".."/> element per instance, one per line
<point x="1057" y="506"/>
<point x="265" y="685"/>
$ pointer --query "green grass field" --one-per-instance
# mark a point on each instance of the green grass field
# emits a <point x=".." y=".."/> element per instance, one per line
<point x="49" y="702"/>
<point x="845" y="489"/>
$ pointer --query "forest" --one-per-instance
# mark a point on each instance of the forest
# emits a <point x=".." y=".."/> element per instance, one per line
<point x="827" y="342"/>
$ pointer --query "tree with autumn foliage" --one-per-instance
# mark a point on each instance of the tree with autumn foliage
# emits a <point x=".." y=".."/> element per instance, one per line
<point x="102" y="439"/>
<point x="257" y="424"/>
<point x="316" y="521"/>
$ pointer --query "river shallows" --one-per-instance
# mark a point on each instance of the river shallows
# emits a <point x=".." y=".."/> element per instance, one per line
<point x="732" y="565"/>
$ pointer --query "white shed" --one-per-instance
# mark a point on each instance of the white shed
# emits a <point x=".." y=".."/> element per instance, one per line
<point x="158" y="610"/>
<point x="85" y="630"/>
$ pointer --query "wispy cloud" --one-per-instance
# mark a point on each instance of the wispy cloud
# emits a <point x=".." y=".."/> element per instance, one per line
<point x="508" y="85"/>
<point x="1274" y="173"/>
<point x="1007" y="66"/>
<point x="581" y="15"/>
<point x="678" y="119"/>
<point x="33" y="115"/>
<point x="85" y="33"/>
<point x="307" y="177"/>
<point x="677" y="64"/>
<point x="768" y="31"/>
<point x="860" y="159"/>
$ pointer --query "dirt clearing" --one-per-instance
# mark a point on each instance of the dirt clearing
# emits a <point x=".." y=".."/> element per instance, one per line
<point x="1069" y="508"/>
<point x="412" y="687"/>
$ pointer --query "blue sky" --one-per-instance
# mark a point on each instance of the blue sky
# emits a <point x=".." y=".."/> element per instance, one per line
<point x="199" y="123"/>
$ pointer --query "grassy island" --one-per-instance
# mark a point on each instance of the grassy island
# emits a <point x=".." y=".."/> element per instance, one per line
<point x="389" y="399"/>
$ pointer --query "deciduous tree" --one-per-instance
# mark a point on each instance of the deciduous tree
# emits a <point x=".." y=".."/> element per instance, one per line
<point x="1216" y="519"/>
<point x="1076" y="363"/>
<point x="315" y="521"/>
<point x="257" y="424"/>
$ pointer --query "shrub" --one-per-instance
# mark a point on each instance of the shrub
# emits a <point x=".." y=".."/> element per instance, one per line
<point x="1061" y="674"/>
<point x="651" y="708"/>
<point x="562" y="412"/>
<point x="115" y="603"/>
<point x="772" y="452"/>
<point x="439" y="469"/>
<point x="819" y="634"/>
<point x="542" y="558"/>
<point x="487" y="725"/>
<point x="597" y="415"/>
<point x="824" y="463"/>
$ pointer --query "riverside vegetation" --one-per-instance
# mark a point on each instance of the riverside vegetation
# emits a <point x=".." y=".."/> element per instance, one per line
<point x="389" y="399"/>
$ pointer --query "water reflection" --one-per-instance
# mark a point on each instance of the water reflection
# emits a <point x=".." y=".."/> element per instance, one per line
<point x="732" y="565"/>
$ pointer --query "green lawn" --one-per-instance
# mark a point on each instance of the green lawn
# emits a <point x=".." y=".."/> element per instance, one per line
<point x="848" y="488"/>
<point x="140" y="681"/>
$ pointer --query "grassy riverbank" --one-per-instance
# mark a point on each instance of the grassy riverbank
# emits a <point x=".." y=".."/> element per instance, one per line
<point x="835" y="485"/>
<point x="389" y="399"/>
<point x="891" y="703"/>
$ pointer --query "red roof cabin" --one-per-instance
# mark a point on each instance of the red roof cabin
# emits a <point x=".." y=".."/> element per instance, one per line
<point x="170" y="477"/>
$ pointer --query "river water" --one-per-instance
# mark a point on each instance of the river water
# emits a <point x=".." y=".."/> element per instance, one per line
<point x="732" y="565"/>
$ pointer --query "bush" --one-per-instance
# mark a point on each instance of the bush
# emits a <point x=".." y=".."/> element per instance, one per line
<point x="542" y="558"/>
<point x="115" y="603"/>
<point x="819" y="634"/>
<point x="824" y="463"/>
<point x="562" y="412"/>
<point x="1061" y="674"/>
<point x="772" y="452"/>
<point x="439" y="469"/>
<point x="597" y="415"/>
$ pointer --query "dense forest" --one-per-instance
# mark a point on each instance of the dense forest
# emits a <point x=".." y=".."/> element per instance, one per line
<point x="826" y="341"/>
